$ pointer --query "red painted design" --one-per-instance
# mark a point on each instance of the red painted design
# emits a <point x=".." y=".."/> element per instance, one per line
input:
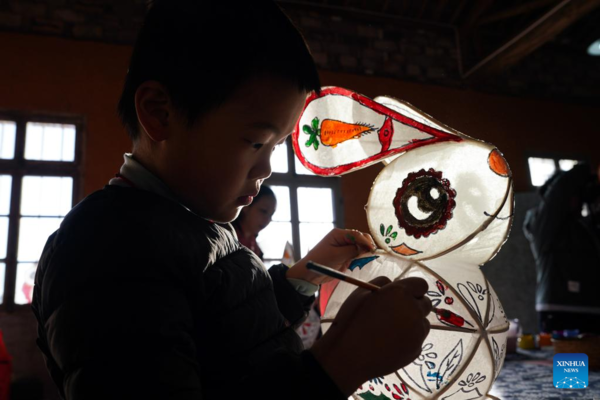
<point x="386" y="133"/>
<point x="438" y="135"/>
<point x="440" y="287"/>
<point x="450" y="317"/>
<point x="325" y="294"/>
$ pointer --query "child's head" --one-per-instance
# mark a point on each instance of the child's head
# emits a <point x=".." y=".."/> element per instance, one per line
<point x="211" y="88"/>
<point x="258" y="215"/>
<point x="203" y="51"/>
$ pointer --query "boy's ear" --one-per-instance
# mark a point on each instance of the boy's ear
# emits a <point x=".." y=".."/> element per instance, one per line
<point x="153" y="108"/>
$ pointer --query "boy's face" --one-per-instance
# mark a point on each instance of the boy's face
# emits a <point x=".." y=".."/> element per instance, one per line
<point x="218" y="165"/>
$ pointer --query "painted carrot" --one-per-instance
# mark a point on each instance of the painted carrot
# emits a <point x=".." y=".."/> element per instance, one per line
<point x="335" y="132"/>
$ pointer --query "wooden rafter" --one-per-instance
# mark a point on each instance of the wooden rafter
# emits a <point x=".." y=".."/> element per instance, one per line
<point x="540" y="32"/>
<point x="515" y="11"/>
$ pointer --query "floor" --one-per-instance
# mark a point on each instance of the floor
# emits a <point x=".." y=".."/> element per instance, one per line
<point x="528" y="375"/>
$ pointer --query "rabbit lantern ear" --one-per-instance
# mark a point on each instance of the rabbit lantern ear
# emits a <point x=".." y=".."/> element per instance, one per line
<point x="340" y="131"/>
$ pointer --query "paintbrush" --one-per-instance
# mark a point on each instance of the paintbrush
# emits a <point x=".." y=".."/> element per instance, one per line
<point x="332" y="273"/>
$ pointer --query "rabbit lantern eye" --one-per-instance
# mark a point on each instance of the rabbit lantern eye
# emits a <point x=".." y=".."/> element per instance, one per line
<point x="424" y="203"/>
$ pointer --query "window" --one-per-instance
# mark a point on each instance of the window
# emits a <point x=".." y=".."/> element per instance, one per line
<point x="308" y="207"/>
<point x="541" y="169"/>
<point x="39" y="183"/>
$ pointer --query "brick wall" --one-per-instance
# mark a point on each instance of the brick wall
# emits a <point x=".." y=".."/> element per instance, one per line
<point x="350" y="43"/>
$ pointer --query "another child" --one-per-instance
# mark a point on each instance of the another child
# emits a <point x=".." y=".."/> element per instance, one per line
<point x="144" y="292"/>
<point x="254" y="218"/>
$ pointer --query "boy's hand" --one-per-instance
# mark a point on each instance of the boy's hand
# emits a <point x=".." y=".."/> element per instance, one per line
<point x="335" y="250"/>
<point x="375" y="333"/>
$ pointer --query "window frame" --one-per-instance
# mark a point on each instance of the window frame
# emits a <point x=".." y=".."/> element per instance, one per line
<point x="293" y="181"/>
<point x="18" y="167"/>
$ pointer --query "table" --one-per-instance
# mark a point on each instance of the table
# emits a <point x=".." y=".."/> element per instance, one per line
<point x="527" y="375"/>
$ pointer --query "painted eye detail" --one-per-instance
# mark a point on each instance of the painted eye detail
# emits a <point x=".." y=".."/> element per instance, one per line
<point x="424" y="203"/>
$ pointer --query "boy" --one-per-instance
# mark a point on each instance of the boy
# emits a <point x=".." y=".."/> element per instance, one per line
<point x="144" y="292"/>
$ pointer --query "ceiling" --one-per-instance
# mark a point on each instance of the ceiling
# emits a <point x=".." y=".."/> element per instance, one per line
<point x="493" y="35"/>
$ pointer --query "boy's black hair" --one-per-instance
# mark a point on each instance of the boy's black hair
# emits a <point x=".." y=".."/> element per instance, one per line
<point x="203" y="51"/>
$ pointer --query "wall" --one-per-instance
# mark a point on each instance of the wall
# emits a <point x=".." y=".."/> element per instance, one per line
<point x="64" y="76"/>
<point x="59" y="75"/>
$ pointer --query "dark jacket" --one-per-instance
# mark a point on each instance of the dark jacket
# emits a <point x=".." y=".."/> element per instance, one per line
<point x="565" y="245"/>
<point x="138" y="298"/>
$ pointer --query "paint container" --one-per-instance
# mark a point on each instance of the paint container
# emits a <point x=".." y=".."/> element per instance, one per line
<point x="526" y="342"/>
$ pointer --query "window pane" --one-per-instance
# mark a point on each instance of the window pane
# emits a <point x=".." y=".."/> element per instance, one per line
<point x="315" y="204"/>
<point x="567" y="165"/>
<point x="272" y="239"/>
<point x="33" y="234"/>
<point x="3" y="236"/>
<point x="49" y="195"/>
<point x="279" y="159"/>
<point x="5" y="190"/>
<point x="2" y="272"/>
<point x="25" y="282"/>
<point x="311" y="234"/>
<point x="301" y="169"/>
<point x="8" y="132"/>
<point x="50" y="142"/>
<point x="541" y="169"/>
<point x="282" y="194"/>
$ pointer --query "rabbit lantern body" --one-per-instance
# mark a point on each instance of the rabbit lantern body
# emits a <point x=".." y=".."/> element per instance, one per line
<point x="440" y="208"/>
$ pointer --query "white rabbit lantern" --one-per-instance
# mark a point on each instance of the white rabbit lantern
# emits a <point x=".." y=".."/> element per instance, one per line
<point x="440" y="209"/>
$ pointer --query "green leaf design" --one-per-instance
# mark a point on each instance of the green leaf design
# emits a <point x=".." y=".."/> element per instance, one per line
<point x="388" y="240"/>
<point x="382" y="229"/>
<point x="394" y="235"/>
<point x="314" y="131"/>
<point x="315" y="124"/>
<point x="307" y="130"/>
<point x="389" y="230"/>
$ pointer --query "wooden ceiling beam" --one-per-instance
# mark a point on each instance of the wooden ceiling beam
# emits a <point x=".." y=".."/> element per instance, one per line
<point x="540" y="32"/>
<point x="516" y="11"/>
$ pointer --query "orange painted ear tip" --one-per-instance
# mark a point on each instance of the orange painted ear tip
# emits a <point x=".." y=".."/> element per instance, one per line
<point x="498" y="163"/>
<point x="405" y="250"/>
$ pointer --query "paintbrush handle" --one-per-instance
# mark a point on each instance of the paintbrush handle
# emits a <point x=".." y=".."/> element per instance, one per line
<point x="323" y="270"/>
<point x="332" y="273"/>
